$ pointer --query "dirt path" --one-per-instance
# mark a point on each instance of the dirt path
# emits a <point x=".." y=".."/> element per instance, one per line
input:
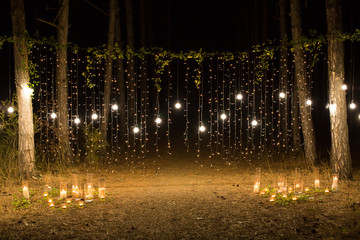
<point x="187" y="203"/>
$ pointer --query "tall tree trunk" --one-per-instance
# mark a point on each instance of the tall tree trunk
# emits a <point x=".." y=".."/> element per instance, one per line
<point x="108" y="72"/>
<point x="283" y="72"/>
<point x="61" y="82"/>
<point x="300" y="79"/>
<point x="131" y="65"/>
<point x="26" y="148"/>
<point x="120" y="78"/>
<point x="340" y="150"/>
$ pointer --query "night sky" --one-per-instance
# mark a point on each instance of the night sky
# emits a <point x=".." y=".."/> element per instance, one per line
<point x="213" y="25"/>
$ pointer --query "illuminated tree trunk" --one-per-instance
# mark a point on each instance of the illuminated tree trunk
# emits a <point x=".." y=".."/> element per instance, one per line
<point x="131" y="64"/>
<point x="340" y="150"/>
<point x="108" y="73"/>
<point x="283" y="73"/>
<point x="302" y="87"/>
<point x="61" y="81"/>
<point x="26" y="148"/>
<point x="120" y="79"/>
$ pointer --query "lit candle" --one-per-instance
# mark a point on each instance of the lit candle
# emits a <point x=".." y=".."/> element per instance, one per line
<point x="272" y="199"/>
<point x="290" y="189"/>
<point x="81" y="203"/>
<point x="273" y="195"/>
<point x="51" y="203"/>
<point x="307" y="189"/>
<point x="335" y="184"/>
<point x="89" y="193"/>
<point x="101" y="192"/>
<point x="45" y="194"/>
<point x="294" y="198"/>
<point x="266" y="189"/>
<point x="63" y="194"/>
<point x="327" y="190"/>
<point x="26" y="192"/>
<point x="285" y="195"/>
<point x="317" y="183"/>
<point x="256" y="187"/>
<point x="68" y="200"/>
<point x="63" y="206"/>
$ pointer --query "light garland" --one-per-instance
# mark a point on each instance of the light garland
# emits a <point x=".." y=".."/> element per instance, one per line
<point x="10" y="110"/>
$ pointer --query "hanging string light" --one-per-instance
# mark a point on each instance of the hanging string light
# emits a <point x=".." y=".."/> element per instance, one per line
<point x="239" y="96"/>
<point x="223" y="116"/>
<point x="94" y="116"/>
<point x="136" y="129"/>
<point x="282" y="95"/>
<point x="77" y="120"/>
<point x="10" y="109"/>
<point x="352" y="105"/>
<point x="53" y="115"/>
<point x="344" y="87"/>
<point x="115" y="107"/>
<point x="308" y="102"/>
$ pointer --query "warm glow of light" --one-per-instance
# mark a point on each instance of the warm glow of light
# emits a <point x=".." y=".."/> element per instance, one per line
<point x="77" y="120"/>
<point x="28" y="91"/>
<point x="332" y="108"/>
<point x="344" y="87"/>
<point x="254" y="123"/>
<point x="239" y="96"/>
<point x="115" y="107"/>
<point x="352" y="105"/>
<point x="282" y="95"/>
<point x="53" y="115"/>
<point x="202" y="128"/>
<point x="94" y="116"/>
<point x="158" y="120"/>
<point x="11" y="110"/>
<point x="177" y="105"/>
<point x="308" y="102"/>
<point x="136" y="129"/>
<point x="223" y="116"/>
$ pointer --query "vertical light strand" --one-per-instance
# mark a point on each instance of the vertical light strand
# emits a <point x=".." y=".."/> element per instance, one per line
<point x="187" y="143"/>
<point x="210" y="82"/>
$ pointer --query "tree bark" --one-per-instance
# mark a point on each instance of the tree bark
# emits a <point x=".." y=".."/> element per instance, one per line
<point x="108" y="72"/>
<point x="131" y="65"/>
<point x="283" y="73"/>
<point x="340" y="158"/>
<point x="300" y="79"/>
<point x="120" y="79"/>
<point x="26" y="148"/>
<point x="61" y="82"/>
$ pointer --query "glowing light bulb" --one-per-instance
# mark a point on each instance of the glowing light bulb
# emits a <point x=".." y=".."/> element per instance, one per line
<point x="332" y="108"/>
<point x="28" y="91"/>
<point x="352" y="105"/>
<point x="254" y="123"/>
<point x="202" y="128"/>
<point x="115" y="107"/>
<point x="239" y="96"/>
<point x="158" y="120"/>
<point x="177" y="105"/>
<point x="282" y="95"/>
<point x="136" y="129"/>
<point x="53" y="115"/>
<point x="223" y="116"/>
<point x="308" y="102"/>
<point x="11" y="110"/>
<point x="77" y="120"/>
<point x="344" y="87"/>
<point x="94" y="116"/>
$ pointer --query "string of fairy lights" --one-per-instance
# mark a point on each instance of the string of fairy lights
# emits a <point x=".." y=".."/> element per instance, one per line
<point x="230" y="114"/>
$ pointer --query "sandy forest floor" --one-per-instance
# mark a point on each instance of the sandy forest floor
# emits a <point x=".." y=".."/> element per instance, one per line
<point x="186" y="201"/>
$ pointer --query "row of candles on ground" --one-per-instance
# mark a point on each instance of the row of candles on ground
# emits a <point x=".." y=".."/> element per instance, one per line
<point x="77" y="194"/>
<point x="282" y="188"/>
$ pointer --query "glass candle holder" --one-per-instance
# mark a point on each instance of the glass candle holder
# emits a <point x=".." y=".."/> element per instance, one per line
<point x="25" y="190"/>
<point x="102" y="188"/>
<point x="317" y="178"/>
<point x="335" y="183"/>
<point x="81" y="204"/>
<point x="89" y="192"/>
<point x="63" y="206"/>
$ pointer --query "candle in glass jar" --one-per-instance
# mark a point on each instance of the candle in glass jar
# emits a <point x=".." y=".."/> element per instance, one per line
<point x="317" y="183"/>
<point x="81" y="203"/>
<point x="327" y="190"/>
<point x="63" y="206"/>
<point x="256" y="187"/>
<point x="63" y="194"/>
<point x="101" y="192"/>
<point x="68" y="200"/>
<point x="272" y="199"/>
<point x="335" y="184"/>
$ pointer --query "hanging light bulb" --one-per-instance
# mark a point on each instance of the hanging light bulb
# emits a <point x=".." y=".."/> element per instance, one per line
<point x="136" y="129"/>
<point x="53" y="115"/>
<point x="177" y="105"/>
<point x="223" y="116"/>
<point x="308" y="102"/>
<point x="239" y="96"/>
<point x="11" y="110"/>
<point x="352" y="105"/>
<point x="202" y="128"/>
<point x="94" y="116"/>
<point x="344" y="87"/>
<point x="254" y="123"/>
<point x="158" y="120"/>
<point x="282" y="95"/>
<point x="77" y="120"/>
<point x="115" y="107"/>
